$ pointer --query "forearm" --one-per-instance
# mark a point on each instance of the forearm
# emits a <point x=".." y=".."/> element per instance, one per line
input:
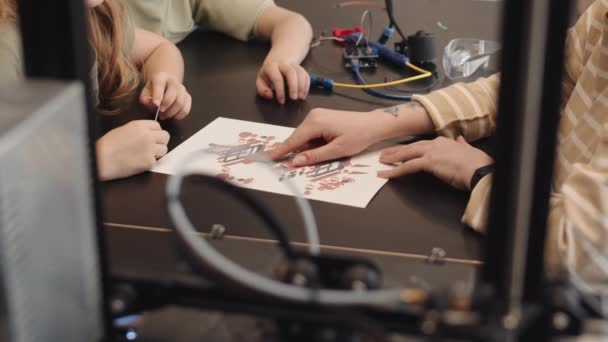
<point x="290" y="38"/>
<point x="464" y="109"/>
<point x="403" y="120"/>
<point x="165" y="58"/>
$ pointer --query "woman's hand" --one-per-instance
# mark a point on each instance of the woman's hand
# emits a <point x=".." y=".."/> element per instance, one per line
<point x="130" y="149"/>
<point x="275" y="73"/>
<point x="452" y="161"/>
<point x="169" y="93"/>
<point x="340" y="133"/>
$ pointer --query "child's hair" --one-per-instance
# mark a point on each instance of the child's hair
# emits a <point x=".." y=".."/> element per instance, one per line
<point x="118" y="76"/>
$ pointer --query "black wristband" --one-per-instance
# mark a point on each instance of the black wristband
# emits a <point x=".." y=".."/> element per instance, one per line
<point x="479" y="173"/>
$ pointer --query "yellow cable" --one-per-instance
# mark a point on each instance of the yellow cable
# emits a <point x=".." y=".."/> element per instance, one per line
<point x="424" y="74"/>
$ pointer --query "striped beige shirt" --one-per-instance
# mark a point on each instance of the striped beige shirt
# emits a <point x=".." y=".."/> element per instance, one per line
<point x="578" y="217"/>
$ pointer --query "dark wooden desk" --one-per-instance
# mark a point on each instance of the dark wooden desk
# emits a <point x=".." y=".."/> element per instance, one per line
<point x="401" y="225"/>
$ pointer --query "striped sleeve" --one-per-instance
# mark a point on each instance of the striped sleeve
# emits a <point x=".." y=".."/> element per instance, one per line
<point x="578" y="218"/>
<point x="580" y="42"/>
<point x="470" y="109"/>
<point x="577" y="236"/>
<point x="582" y="5"/>
<point x="467" y="109"/>
<point x="577" y="240"/>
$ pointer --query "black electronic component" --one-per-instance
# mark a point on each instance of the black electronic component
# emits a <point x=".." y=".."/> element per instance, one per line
<point x="421" y="48"/>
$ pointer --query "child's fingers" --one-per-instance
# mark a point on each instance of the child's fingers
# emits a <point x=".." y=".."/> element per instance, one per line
<point x="148" y="103"/>
<point x="169" y="98"/>
<point x="160" y="150"/>
<point x="158" y="86"/>
<point x="161" y="137"/>
<point x="277" y="83"/>
<point x="145" y="98"/>
<point x="263" y="87"/>
<point x="291" y="76"/>
<point x="177" y="106"/>
<point x="186" y="109"/>
<point x="304" y="83"/>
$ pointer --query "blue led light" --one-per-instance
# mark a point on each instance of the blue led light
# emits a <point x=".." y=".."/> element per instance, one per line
<point x="131" y="335"/>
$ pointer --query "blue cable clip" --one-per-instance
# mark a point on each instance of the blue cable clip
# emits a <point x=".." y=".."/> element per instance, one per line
<point x="386" y="34"/>
<point x="321" y="82"/>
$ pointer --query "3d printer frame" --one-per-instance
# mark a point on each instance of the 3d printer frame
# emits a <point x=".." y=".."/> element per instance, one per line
<point x="513" y="297"/>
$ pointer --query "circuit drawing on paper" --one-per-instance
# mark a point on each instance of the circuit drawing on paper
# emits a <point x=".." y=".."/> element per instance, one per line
<point x="232" y="152"/>
<point x="321" y="177"/>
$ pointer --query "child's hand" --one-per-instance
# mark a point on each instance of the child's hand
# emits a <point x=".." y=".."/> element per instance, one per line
<point x="130" y="149"/>
<point x="274" y="74"/>
<point x="169" y="93"/>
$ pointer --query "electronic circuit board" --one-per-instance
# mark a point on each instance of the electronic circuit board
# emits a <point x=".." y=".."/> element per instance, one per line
<point x="366" y="56"/>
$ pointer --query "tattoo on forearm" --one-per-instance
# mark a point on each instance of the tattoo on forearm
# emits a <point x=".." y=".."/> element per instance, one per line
<point x="394" y="111"/>
<point x="413" y="104"/>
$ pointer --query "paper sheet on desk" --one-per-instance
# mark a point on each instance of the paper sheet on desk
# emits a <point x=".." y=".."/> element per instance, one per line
<point x="231" y="146"/>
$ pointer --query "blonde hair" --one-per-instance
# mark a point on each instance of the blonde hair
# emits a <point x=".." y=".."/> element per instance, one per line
<point x="118" y="76"/>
